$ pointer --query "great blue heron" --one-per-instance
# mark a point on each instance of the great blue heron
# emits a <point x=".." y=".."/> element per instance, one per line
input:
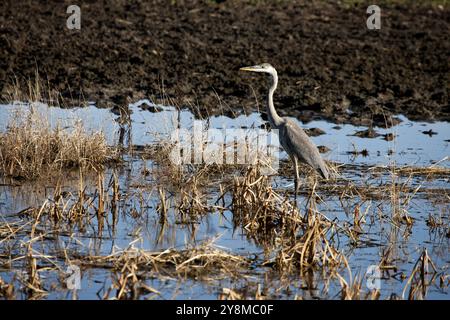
<point x="294" y="140"/>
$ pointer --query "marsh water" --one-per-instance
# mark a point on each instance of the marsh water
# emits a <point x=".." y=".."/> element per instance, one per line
<point x="418" y="144"/>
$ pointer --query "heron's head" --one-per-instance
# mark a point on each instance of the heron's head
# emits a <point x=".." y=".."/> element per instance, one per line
<point x="264" y="67"/>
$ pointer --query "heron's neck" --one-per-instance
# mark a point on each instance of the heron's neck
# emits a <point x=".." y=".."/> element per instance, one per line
<point x="274" y="119"/>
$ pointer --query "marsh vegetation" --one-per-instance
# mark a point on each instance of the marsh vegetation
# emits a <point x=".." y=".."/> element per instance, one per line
<point x="140" y="227"/>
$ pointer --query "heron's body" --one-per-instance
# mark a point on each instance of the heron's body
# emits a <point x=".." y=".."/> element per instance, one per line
<point x="298" y="145"/>
<point x="293" y="139"/>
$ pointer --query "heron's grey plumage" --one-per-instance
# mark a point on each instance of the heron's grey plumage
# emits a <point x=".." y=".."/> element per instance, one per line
<point x="293" y="139"/>
<point x="297" y="143"/>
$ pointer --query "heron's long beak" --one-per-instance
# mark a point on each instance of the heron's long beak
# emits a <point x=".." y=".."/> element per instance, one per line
<point x="252" y="68"/>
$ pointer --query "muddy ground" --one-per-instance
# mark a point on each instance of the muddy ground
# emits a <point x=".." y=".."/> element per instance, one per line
<point x="330" y="65"/>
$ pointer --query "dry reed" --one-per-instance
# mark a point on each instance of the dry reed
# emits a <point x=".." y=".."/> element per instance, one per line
<point x="31" y="148"/>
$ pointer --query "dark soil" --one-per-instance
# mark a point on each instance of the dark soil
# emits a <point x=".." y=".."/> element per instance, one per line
<point x="369" y="133"/>
<point x="330" y="65"/>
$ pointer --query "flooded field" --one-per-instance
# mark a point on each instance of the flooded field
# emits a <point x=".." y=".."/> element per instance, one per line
<point x="141" y="227"/>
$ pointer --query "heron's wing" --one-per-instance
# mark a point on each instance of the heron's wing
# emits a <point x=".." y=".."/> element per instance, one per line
<point x="297" y="142"/>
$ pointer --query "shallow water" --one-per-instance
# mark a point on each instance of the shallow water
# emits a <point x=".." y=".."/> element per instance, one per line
<point x="410" y="147"/>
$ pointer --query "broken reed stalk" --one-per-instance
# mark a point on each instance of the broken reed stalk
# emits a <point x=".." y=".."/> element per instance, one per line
<point x="418" y="281"/>
<point x="33" y="281"/>
<point x="163" y="205"/>
<point x="101" y="202"/>
<point x="115" y="199"/>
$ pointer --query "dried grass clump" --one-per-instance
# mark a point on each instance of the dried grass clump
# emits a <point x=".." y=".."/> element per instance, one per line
<point x="312" y="249"/>
<point x="133" y="266"/>
<point x="37" y="89"/>
<point x="203" y="261"/>
<point x="430" y="171"/>
<point x="193" y="200"/>
<point x="256" y="206"/>
<point x="272" y="220"/>
<point x="31" y="148"/>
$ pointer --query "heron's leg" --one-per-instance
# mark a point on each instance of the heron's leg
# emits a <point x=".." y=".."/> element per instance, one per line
<point x="295" y="191"/>
<point x="297" y="177"/>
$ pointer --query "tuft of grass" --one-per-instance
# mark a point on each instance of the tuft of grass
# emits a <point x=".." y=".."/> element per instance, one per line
<point x="31" y="148"/>
<point x="263" y="213"/>
<point x="133" y="266"/>
<point x="36" y="89"/>
<point x="311" y="248"/>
